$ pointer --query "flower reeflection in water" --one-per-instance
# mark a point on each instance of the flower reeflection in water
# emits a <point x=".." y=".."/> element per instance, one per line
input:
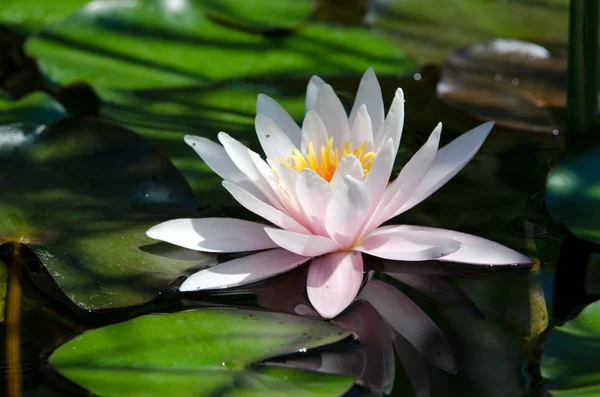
<point x="324" y="188"/>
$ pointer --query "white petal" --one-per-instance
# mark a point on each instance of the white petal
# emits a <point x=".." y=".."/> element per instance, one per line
<point x="348" y="166"/>
<point x="474" y="250"/>
<point x="273" y="110"/>
<point x="312" y="91"/>
<point x="273" y="140"/>
<point x="411" y="322"/>
<point x="381" y="170"/>
<point x="215" y="156"/>
<point x="347" y="211"/>
<point x="393" y="124"/>
<point x="361" y="130"/>
<point x="287" y="178"/>
<point x="244" y="270"/>
<point x="263" y="209"/>
<point x="331" y="111"/>
<point x="369" y="94"/>
<point x="241" y="156"/>
<point x="333" y="282"/>
<point x="302" y="244"/>
<point x="313" y="130"/>
<point x="411" y="175"/>
<point x="449" y="161"/>
<point x="313" y="194"/>
<point x="213" y="234"/>
<point x="403" y="243"/>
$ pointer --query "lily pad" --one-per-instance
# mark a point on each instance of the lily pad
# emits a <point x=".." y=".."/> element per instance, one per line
<point x="199" y="353"/>
<point x="32" y="14"/>
<point x="429" y="33"/>
<point x="81" y="194"/>
<point x="36" y="108"/>
<point x="573" y="194"/>
<point x="156" y="44"/>
<point x="570" y="356"/>
<point x="260" y="15"/>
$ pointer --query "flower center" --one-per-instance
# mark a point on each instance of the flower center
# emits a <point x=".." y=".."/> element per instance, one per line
<point x="326" y="160"/>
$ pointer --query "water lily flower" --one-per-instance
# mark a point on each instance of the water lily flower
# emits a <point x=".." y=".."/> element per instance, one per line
<point x="324" y="188"/>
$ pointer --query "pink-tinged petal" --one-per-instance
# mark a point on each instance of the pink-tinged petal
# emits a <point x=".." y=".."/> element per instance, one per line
<point x="440" y="290"/>
<point x="402" y="243"/>
<point x="263" y="209"/>
<point x="213" y="234"/>
<point x="313" y="194"/>
<point x="369" y="94"/>
<point x="448" y="162"/>
<point x="411" y="175"/>
<point x="244" y="270"/>
<point x="273" y="110"/>
<point x="361" y="129"/>
<point x="312" y="92"/>
<point x="331" y="111"/>
<point x="275" y="143"/>
<point x="241" y="156"/>
<point x="474" y="250"/>
<point x="379" y="176"/>
<point x="333" y="282"/>
<point x="411" y="322"/>
<point x="348" y="166"/>
<point x="347" y="211"/>
<point x="393" y="124"/>
<point x="313" y="131"/>
<point x="302" y="244"/>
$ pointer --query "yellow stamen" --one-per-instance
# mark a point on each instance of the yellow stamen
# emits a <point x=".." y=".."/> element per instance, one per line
<point x="329" y="159"/>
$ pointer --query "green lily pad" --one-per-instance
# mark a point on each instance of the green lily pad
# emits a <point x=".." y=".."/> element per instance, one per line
<point x="430" y="33"/>
<point x="570" y="356"/>
<point x="158" y="44"/>
<point x="573" y="194"/>
<point x="32" y="14"/>
<point x="81" y="194"/>
<point x="36" y="108"/>
<point x="199" y="353"/>
<point x="260" y="15"/>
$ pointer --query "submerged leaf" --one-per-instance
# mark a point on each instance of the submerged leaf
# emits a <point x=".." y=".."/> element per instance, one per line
<point x="81" y="194"/>
<point x="199" y="353"/>
<point x="515" y="83"/>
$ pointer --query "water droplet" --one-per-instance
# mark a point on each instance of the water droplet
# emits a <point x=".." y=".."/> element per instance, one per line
<point x="515" y="82"/>
<point x="555" y="132"/>
<point x="498" y="77"/>
<point x="417" y="76"/>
